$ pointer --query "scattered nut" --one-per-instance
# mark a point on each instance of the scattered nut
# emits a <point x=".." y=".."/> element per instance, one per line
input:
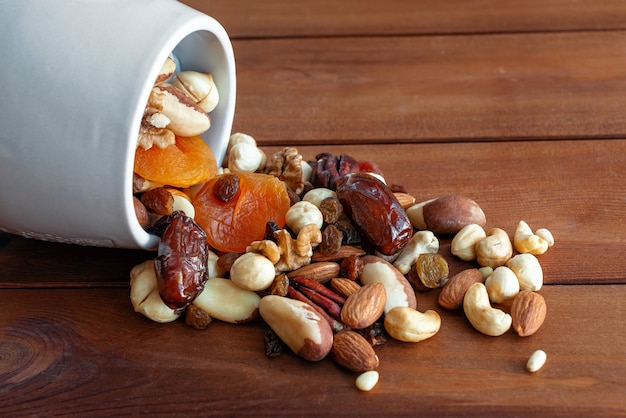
<point x="353" y="352"/>
<point x="484" y="318"/>
<point x="502" y="285"/>
<point x="317" y="195"/>
<point x="446" y="215"/>
<point x="303" y="213"/>
<point x="452" y="294"/>
<point x="144" y="294"/>
<point x="528" y="271"/>
<point x="245" y="157"/>
<point x="494" y="250"/>
<point x="536" y="361"/>
<point x="464" y="242"/>
<point x="397" y="288"/>
<point x="321" y="272"/>
<point x="222" y="299"/>
<point x="410" y="325"/>
<point x="345" y="287"/>
<point x="298" y="325"/>
<point x="364" y="306"/>
<point x="525" y="241"/>
<point x="367" y="381"/>
<point x="252" y="271"/>
<point x="528" y="312"/>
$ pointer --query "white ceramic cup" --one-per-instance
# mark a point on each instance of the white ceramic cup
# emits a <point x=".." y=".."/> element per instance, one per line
<point x="76" y="77"/>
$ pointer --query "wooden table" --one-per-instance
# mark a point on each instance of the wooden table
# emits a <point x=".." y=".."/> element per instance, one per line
<point x="518" y="105"/>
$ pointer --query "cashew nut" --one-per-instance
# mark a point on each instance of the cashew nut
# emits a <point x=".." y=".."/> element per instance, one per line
<point x="422" y="242"/>
<point x="464" y="242"/>
<point x="502" y="285"/>
<point x="528" y="271"/>
<point x="480" y="313"/>
<point x="525" y="241"/>
<point x="144" y="294"/>
<point x="303" y="213"/>
<point x="494" y="250"/>
<point x="410" y="325"/>
<point x="252" y="271"/>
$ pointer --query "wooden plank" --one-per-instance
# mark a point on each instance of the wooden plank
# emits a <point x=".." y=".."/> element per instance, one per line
<point x="284" y="18"/>
<point x="576" y="189"/>
<point x="432" y="89"/>
<point x="85" y="352"/>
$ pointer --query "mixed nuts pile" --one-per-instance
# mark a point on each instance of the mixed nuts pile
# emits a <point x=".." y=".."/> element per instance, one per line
<point x="341" y="275"/>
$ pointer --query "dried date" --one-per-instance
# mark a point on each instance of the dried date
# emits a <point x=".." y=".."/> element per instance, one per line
<point x="181" y="263"/>
<point x="375" y="211"/>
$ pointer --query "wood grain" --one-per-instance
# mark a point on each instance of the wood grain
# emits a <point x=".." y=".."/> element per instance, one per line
<point x="284" y="18"/>
<point x="432" y="89"/>
<point x="58" y="356"/>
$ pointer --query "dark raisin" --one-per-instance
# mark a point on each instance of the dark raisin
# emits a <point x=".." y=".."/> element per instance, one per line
<point x="226" y="187"/>
<point x="351" y="235"/>
<point x="274" y="346"/>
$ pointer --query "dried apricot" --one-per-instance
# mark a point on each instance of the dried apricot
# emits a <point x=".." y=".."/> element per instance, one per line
<point x="233" y="224"/>
<point x="189" y="161"/>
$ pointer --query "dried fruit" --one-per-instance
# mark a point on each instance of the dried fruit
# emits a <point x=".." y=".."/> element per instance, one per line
<point x="197" y="318"/>
<point x="226" y="187"/>
<point x="429" y="272"/>
<point x="331" y="209"/>
<point x="231" y="226"/>
<point x="376" y="212"/>
<point x="181" y="264"/>
<point x="331" y="240"/>
<point x="188" y="162"/>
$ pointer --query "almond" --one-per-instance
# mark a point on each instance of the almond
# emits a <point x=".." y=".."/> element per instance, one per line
<point x="322" y="271"/>
<point x="406" y="200"/>
<point x="365" y="306"/>
<point x="452" y="294"/>
<point x="344" y="251"/>
<point x="345" y="287"/>
<point x="352" y="351"/>
<point x="528" y="312"/>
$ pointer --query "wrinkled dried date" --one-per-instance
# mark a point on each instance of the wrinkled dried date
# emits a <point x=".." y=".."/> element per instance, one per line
<point x="181" y="263"/>
<point x="328" y="168"/>
<point x="375" y="211"/>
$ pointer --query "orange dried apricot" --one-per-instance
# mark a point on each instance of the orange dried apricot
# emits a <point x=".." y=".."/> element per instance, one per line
<point x="189" y="161"/>
<point x="232" y="221"/>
